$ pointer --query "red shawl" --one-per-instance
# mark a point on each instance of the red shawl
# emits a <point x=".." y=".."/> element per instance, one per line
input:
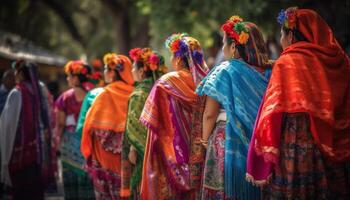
<point x="311" y="77"/>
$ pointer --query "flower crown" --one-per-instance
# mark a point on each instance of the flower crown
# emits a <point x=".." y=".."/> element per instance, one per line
<point x="182" y="45"/>
<point x="76" y="68"/>
<point x="288" y="18"/>
<point x="236" y="30"/>
<point x="113" y="61"/>
<point x="96" y="64"/>
<point x="151" y="60"/>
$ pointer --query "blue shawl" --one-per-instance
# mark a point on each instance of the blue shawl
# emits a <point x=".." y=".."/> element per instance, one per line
<point x="239" y="89"/>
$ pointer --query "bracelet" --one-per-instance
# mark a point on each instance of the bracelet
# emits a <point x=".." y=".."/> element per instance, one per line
<point x="204" y="141"/>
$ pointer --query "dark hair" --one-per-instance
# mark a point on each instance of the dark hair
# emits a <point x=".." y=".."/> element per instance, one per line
<point x="23" y="67"/>
<point x="239" y="47"/>
<point x="148" y="73"/>
<point x="298" y="36"/>
<point x="254" y="51"/>
<point x="139" y="65"/>
<point x="83" y="78"/>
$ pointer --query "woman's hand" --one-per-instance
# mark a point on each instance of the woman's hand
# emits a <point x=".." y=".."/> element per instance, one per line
<point x="132" y="155"/>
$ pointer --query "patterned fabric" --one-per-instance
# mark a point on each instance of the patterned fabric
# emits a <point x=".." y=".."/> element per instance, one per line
<point x="107" y="113"/>
<point x="70" y="152"/>
<point x="70" y="141"/>
<point x="318" y="83"/>
<point x="214" y="166"/>
<point x="106" y="182"/>
<point x="135" y="135"/>
<point x="76" y="185"/>
<point x="26" y="146"/>
<point x="173" y="156"/>
<point x="239" y="88"/>
<point x="102" y="138"/>
<point x="303" y="172"/>
<point x="75" y="180"/>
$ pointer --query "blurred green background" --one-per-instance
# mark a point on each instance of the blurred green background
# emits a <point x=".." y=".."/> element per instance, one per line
<point x="90" y="28"/>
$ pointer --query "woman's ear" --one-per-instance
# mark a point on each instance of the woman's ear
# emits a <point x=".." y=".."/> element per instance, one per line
<point x="290" y="37"/>
<point x="233" y="49"/>
<point x="142" y="72"/>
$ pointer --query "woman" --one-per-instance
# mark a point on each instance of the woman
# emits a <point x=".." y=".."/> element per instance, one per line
<point x="77" y="183"/>
<point x="96" y="79"/>
<point x="173" y="155"/>
<point x="301" y="139"/>
<point x="24" y="134"/>
<point x="234" y="90"/>
<point x="147" y="67"/>
<point x="104" y="127"/>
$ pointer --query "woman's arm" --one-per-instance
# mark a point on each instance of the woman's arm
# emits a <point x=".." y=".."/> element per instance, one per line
<point x="211" y="112"/>
<point x="61" y="124"/>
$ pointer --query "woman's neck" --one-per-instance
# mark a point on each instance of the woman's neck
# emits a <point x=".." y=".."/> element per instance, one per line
<point x="79" y="93"/>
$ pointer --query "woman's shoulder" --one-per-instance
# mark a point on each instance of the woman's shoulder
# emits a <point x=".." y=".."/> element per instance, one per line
<point x="15" y="93"/>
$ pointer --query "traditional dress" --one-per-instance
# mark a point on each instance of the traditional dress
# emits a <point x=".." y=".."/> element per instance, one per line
<point x="77" y="183"/>
<point x="239" y="88"/>
<point x="103" y="131"/>
<point x="173" y="156"/>
<point x="135" y="136"/>
<point x="214" y="166"/>
<point x="25" y="140"/>
<point x="302" y="135"/>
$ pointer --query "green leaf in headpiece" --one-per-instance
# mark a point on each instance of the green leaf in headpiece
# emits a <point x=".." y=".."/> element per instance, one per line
<point x="239" y="27"/>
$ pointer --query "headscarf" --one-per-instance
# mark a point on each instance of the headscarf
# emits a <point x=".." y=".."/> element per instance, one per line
<point x="310" y="77"/>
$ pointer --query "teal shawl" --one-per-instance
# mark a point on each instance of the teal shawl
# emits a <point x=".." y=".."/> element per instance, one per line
<point x="239" y="88"/>
<point x="89" y="98"/>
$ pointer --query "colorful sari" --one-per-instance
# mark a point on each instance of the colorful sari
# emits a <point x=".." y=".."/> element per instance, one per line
<point x="77" y="184"/>
<point x="312" y="78"/>
<point x="135" y="135"/>
<point x="239" y="88"/>
<point x="173" y="157"/>
<point x="101" y="142"/>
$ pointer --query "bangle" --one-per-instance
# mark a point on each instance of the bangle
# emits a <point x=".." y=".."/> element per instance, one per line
<point x="203" y="141"/>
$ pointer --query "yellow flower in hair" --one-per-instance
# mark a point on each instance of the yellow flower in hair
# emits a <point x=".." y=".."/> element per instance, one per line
<point x="236" y="18"/>
<point x="193" y="43"/>
<point x="243" y="37"/>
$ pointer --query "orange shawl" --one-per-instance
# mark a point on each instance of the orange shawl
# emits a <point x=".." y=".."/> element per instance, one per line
<point x="311" y="77"/>
<point x="108" y="112"/>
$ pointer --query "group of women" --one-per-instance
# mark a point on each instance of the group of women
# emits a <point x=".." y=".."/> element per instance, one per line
<point x="248" y="128"/>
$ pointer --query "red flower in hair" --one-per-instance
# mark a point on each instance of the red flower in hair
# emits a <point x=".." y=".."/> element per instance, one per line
<point x="153" y="60"/>
<point x="175" y="46"/>
<point x="96" y="63"/>
<point x="84" y="71"/>
<point x="135" y="54"/>
<point x="96" y="75"/>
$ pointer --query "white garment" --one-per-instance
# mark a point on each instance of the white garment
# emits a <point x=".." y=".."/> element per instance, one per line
<point x="222" y="116"/>
<point x="8" y="128"/>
